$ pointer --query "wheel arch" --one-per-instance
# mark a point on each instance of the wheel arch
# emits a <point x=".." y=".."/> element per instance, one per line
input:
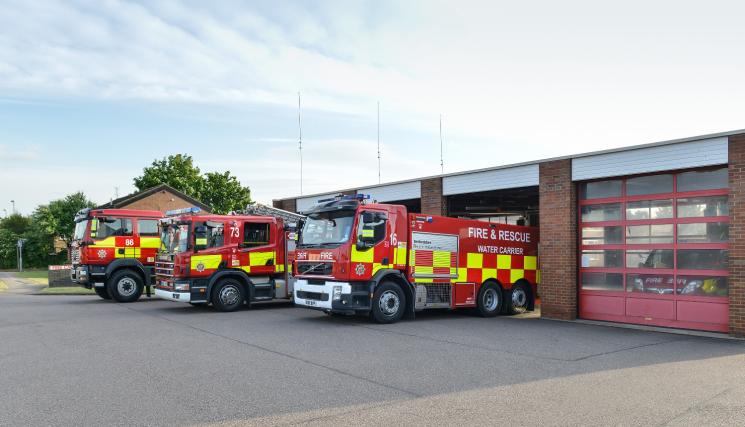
<point x="397" y="277"/>
<point x="128" y="263"/>
<point x="239" y="275"/>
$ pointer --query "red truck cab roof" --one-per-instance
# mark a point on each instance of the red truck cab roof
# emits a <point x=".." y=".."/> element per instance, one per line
<point x="126" y="213"/>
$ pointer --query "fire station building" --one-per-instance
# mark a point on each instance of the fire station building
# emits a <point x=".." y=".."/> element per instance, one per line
<point x="651" y="234"/>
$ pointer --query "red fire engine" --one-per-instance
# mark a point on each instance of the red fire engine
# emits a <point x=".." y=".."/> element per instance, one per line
<point x="113" y="251"/>
<point x="356" y="258"/>
<point x="226" y="260"/>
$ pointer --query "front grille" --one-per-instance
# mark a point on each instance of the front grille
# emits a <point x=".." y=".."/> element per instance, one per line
<point x="318" y="296"/>
<point x="315" y="268"/>
<point x="163" y="269"/>
<point x="75" y="256"/>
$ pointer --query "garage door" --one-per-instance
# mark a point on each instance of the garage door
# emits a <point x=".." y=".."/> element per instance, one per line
<point x="653" y="249"/>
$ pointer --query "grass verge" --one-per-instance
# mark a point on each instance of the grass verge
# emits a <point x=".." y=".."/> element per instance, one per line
<point x="67" y="290"/>
<point x="40" y="277"/>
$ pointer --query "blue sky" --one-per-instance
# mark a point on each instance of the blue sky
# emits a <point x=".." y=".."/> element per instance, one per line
<point x="91" y="92"/>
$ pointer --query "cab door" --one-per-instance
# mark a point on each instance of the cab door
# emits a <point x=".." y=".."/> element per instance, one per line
<point x="372" y="249"/>
<point x="258" y="255"/>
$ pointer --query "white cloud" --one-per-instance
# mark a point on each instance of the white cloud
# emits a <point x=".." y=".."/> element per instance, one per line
<point x="17" y="152"/>
<point x="514" y="80"/>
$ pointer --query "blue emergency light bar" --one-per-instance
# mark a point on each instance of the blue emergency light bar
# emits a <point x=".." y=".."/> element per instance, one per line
<point x="338" y="197"/>
<point x="184" y="211"/>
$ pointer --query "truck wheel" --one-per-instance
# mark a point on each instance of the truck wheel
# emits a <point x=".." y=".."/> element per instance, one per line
<point x="520" y="299"/>
<point x="228" y="295"/>
<point x="388" y="303"/>
<point x="125" y="286"/>
<point x="490" y="300"/>
<point x="102" y="292"/>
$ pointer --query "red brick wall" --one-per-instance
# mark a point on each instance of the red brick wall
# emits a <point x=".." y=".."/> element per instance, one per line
<point x="433" y="202"/>
<point x="287" y="204"/>
<point x="737" y="235"/>
<point x="558" y="247"/>
<point x="159" y="201"/>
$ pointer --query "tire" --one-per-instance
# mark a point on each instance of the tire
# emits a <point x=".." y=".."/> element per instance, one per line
<point x="520" y="299"/>
<point x="388" y="303"/>
<point x="228" y="295"/>
<point x="125" y="286"/>
<point x="490" y="300"/>
<point x="102" y="292"/>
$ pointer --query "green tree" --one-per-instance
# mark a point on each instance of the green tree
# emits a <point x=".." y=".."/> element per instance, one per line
<point x="224" y="192"/>
<point x="59" y="215"/>
<point x="178" y="171"/>
<point x="220" y="190"/>
<point x="16" y="223"/>
<point x="8" y="241"/>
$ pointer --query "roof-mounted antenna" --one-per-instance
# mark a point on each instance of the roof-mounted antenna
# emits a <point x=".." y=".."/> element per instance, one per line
<point x="378" y="142"/>
<point x="300" y="142"/>
<point x="442" y="163"/>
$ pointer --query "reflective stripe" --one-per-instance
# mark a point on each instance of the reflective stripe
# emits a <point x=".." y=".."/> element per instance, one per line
<point x="210" y="262"/>
<point x="362" y="256"/>
<point x="474" y="260"/>
<point x="504" y="262"/>
<point x="530" y="262"/>
<point x="109" y="242"/>
<point x="150" y="242"/>
<point x="441" y="259"/>
<point x="256" y="259"/>
<point x="128" y="253"/>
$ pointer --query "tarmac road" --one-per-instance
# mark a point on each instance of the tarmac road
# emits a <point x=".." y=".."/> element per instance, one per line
<point x="84" y="361"/>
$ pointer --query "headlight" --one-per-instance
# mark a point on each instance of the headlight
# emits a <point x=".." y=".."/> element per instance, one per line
<point x="181" y="287"/>
<point x="337" y="293"/>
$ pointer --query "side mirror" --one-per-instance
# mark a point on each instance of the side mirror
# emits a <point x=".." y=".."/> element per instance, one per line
<point x="200" y="238"/>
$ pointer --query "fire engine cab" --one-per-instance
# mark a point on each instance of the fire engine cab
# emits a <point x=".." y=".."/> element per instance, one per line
<point x="113" y="251"/>
<point x="226" y="260"/>
<point x="376" y="259"/>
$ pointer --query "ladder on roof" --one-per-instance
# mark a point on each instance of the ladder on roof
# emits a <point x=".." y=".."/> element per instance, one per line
<point x="264" y="210"/>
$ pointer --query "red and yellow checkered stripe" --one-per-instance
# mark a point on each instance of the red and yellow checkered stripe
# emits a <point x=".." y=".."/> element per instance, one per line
<point x="425" y="262"/>
<point x="504" y="268"/>
<point x="473" y="267"/>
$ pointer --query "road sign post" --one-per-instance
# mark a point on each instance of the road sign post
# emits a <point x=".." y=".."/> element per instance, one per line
<point x="19" y="251"/>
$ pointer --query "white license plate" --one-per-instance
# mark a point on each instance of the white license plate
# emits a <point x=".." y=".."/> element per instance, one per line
<point x="310" y="302"/>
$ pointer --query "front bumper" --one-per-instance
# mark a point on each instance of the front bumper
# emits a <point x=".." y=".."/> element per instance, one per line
<point x="173" y="295"/>
<point x="172" y="290"/>
<point x="79" y="274"/>
<point x="354" y="298"/>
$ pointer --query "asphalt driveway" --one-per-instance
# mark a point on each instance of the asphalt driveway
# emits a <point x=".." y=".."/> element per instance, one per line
<point x="84" y="361"/>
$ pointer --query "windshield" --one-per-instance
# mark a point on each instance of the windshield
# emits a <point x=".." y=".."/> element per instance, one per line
<point x="80" y="227"/>
<point x="174" y="238"/>
<point x="327" y="228"/>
